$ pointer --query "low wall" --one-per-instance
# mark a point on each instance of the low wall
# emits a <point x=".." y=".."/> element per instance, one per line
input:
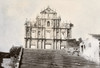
<point x="19" y="59"/>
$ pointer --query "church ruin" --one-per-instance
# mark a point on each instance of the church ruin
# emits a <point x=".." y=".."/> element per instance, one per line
<point x="47" y="32"/>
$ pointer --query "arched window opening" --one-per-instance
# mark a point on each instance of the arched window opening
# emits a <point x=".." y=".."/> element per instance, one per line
<point x="38" y="32"/>
<point x="48" y="23"/>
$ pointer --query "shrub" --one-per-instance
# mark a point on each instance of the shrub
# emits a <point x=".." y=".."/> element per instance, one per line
<point x="14" y="51"/>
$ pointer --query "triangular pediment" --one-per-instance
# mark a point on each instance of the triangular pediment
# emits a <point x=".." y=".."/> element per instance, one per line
<point x="48" y="10"/>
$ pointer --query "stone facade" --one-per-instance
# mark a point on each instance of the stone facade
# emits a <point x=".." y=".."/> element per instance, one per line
<point x="47" y="32"/>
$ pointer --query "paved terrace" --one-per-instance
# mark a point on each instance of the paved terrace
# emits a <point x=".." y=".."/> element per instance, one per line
<point x="53" y="59"/>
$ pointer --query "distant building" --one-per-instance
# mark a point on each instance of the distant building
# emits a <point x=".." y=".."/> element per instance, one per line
<point x="47" y="32"/>
<point x="90" y="48"/>
<point x="6" y="63"/>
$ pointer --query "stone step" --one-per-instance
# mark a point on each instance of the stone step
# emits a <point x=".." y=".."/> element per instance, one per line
<point x="33" y="58"/>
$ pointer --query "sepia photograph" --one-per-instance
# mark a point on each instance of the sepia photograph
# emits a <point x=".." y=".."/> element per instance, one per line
<point x="49" y="33"/>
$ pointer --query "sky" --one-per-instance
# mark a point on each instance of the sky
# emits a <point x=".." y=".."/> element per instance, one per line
<point x="84" y="14"/>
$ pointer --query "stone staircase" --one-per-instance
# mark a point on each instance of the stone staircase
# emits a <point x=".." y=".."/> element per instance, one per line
<point x="52" y="59"/>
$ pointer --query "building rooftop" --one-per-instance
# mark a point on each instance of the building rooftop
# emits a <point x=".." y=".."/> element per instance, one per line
<point x="97" y="36"/>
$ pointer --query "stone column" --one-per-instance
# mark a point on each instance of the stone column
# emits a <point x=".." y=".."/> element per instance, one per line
<point x="25" y="43"/>
<point x="30" y="43"/>
<point x="37" y="44"/>
<point x="58" y="45"/>
<point x="55" y="45"/>
<point x="42" y="44"/>
<point x="51" y="44"/>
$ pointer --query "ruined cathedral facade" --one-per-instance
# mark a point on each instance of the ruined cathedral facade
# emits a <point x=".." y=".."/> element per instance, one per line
<point x="47" y="32"/>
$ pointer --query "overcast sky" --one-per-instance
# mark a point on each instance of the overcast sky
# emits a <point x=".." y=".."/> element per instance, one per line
<point x="84" y="14"/>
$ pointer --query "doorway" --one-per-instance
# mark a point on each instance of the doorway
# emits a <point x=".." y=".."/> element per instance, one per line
<point x="48" y="46"/>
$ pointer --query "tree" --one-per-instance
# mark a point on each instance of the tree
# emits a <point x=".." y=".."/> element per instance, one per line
<point x="14" y="51"/>
<point x="71" y="25"/>
<point x="80" y="40"/>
